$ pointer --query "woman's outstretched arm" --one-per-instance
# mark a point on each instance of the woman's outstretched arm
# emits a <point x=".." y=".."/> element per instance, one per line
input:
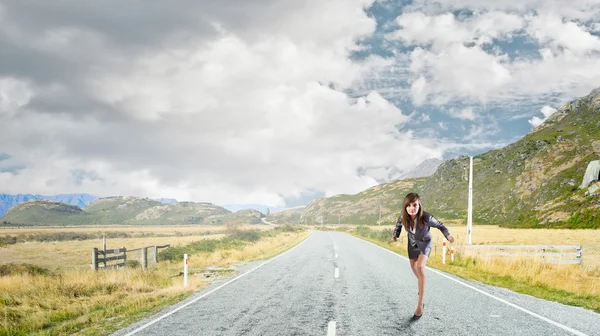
<point x="433" y="222"/>
<point x="398" y="229"/>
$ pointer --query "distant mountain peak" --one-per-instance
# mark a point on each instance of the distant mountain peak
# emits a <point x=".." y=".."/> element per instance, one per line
<point x="423" y="169"/>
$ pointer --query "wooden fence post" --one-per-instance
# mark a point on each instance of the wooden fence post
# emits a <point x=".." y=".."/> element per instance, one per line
<point x="104" y="248"/>
<point x="155" y="254"/>
<point x="144" y="258"/>
<point x="124" y="257"/>
<point x="95" y="259"/>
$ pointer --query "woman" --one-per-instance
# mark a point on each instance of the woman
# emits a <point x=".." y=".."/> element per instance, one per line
<point x="416" y="222"/>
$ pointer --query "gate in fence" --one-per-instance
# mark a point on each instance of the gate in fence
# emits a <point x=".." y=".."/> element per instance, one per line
<point x="105" y="258"/>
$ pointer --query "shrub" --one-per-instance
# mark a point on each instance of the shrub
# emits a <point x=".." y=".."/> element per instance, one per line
<point x="20" y="269"/>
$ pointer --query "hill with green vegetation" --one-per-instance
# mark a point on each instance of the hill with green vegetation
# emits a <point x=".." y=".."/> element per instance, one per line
<point x="43" y="211"/>
<point x="125" y="210"/>
<point x="534" y="182"/>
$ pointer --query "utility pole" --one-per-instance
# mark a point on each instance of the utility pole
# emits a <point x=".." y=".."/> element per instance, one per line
<point x="379" y="221"/>
<point x="470" y="210"/>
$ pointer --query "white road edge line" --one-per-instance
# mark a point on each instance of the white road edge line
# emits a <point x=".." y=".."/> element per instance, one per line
<point x="331" y="328"/>
<point x="214" y="290"/>
<point x="337" y="273"/>
<point x="545" y="319"/>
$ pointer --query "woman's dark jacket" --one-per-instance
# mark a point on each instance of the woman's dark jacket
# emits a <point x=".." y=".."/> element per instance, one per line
<point x="422" y="236"/>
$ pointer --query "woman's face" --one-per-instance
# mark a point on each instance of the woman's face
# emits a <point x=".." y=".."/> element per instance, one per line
<point x="413" y="208"/>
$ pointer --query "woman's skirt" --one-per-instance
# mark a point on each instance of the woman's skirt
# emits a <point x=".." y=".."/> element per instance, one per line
<point x="414" y="251"/>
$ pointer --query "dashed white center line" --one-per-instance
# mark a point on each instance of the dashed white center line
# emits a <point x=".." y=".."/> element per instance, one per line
<point x="337" y="273"/>
<point x="331" y="328"/>
<point x="336" y="255"/>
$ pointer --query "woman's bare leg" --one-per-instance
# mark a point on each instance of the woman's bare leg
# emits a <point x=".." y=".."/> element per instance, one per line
<point x="413" y="266"/>
<point x="420" y="268"/>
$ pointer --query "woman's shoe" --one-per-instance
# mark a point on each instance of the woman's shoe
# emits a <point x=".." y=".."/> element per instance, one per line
<point x="415" y="316"/>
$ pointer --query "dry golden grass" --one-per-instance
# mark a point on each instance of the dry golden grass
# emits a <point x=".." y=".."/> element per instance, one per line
<point x="100" y="302"/>
<point x="62" y="304"/>
<point x="584" y="281"/>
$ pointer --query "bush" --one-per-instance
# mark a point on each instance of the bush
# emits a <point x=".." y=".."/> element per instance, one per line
<point x="245" y="235"/>
<point x="20" y="269"/>
<point x="8" y="240"/>
<point x="173" y="253"/>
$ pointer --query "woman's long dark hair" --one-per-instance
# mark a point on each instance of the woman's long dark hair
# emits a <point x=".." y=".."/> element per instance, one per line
<point x="407" y="221"/>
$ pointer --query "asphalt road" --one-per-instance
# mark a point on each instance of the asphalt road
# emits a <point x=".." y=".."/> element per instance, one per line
<point x="335" y="284"/>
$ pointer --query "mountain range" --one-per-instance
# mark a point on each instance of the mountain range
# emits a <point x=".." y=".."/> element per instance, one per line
<point x="124" y="210"/>
<point x="82" y="200"/>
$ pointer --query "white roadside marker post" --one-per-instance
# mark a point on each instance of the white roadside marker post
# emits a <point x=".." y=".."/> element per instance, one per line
<point x="185" y="270"/>
<point x="444" y="252"/>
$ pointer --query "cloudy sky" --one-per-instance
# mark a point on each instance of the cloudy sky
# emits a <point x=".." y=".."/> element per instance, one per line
<point x="274" y="101"/>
